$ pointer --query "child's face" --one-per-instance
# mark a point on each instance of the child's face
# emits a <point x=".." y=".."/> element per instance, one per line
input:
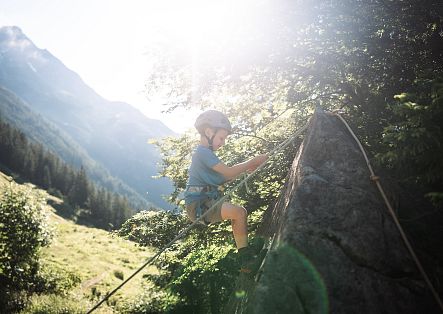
<point x="219" y="139"/>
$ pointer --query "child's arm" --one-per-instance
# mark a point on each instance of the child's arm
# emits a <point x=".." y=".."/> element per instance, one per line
<point x="231" y="172"/>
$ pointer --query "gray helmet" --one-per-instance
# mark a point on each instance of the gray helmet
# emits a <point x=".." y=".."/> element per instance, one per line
<point x="213" y="119"/>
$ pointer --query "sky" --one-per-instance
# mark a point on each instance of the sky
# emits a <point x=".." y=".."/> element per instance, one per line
<point x="105" y="41"/>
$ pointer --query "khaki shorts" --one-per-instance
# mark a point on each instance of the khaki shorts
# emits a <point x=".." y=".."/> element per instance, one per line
<point x="213" y="216"/>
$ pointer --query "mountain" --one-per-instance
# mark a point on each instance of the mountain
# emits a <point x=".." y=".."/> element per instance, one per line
<point x="114" y="134"/>
<point x="17" y="113"/>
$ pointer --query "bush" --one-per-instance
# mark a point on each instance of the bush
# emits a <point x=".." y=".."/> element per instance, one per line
<point x="205" y="278"/>
<point x="152" y="228"/>
<point x="23" y="231"/>
<point x="54" y="279"/>
<point x="119" y="274"/>
<point x="152" y="302"/>
<point x="414" y="140"/>
<point x="198" y="272"/>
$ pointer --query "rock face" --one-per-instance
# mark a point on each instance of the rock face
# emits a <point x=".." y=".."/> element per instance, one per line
<point x="335" y="246"/>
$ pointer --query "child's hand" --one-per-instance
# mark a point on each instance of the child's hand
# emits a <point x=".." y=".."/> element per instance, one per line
<point x="257" y="161"/>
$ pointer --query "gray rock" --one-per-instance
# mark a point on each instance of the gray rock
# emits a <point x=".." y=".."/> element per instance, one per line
<point x="336" y="248"/>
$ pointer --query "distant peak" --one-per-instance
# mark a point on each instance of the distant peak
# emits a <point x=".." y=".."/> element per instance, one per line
<point x="12" y="38"/>
<point x="12" y="32"/>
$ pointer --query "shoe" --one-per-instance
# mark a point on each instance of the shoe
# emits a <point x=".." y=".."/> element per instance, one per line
<point x="257" y="244"/>
<point x="250" y="261"/>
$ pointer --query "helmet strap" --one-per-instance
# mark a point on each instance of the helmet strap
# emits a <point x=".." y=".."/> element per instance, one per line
<point x="211" y="139"/>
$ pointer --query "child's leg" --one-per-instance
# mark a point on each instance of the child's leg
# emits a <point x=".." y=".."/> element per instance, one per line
<point x="238" y="216"/>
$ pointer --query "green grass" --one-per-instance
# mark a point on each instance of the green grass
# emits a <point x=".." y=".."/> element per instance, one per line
<point x="96" y="257"/>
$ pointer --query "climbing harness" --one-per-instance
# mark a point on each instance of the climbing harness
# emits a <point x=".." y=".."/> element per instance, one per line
<point x="200" y="195"/>
<point x="271" y="154"/>
<point x="376" y="179"/>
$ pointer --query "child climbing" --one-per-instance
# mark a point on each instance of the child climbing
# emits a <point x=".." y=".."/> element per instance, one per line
<point x="207" y="173"/>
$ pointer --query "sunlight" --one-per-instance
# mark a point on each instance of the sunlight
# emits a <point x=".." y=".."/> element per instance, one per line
<point x="116" y="36"/>
<point x="196" y="30"/>
<point x="208" y="19"/>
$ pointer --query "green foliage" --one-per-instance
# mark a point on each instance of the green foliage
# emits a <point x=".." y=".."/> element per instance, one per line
<point x="152" y="228"/>
<point x="78" y="254"/>
<point x="414" y="140"/>
<point x="205" y="278"/>
<point x="197" y="276"/>
<point x="37" y="129"/>
<point x="53" y="289"/>
<point x="197" y="272"/>
<point x="23" y="231"/>
<point x="56" y="280"/>
<point x="284" y="57"/>
<point x="353" y="55"/>
<point x="152" y="302"/>
<point x="87" y="202"/>
<point x="176" y="153"/>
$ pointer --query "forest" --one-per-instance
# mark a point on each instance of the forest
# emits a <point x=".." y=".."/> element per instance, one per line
<point x="85" y="202"/>
<point x="379" y="62"/>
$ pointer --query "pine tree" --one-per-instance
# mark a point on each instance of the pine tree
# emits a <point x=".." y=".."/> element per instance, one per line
<point x="46" y="182"/>
<point x="78" y="194"/>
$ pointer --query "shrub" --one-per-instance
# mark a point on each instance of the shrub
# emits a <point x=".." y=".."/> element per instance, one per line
<point x="152" y="301"/>
<point x="54" y="279"/>
<point x="119" y="274"/>
<point x="23" y="231"/>
<point x="152" y="228"/>
<point x="198" y="272"/>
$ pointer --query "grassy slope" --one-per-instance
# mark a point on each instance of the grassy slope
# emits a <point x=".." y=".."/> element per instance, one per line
<point x="94" y="256"/>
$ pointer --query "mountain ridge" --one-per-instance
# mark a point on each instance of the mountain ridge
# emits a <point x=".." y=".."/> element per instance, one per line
<point x="113" y="133"/>
<point x="17" y="113"/>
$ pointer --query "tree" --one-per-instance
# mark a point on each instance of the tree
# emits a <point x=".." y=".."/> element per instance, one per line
<point x="414" y="141"/>
<point x="46" y="181"/>
<point x="31" y="161"/>
<point x="80" y="188"/>
<point x="284" y="56"/>
<point x="352" y="54"/>
<point x="23" y="231"/>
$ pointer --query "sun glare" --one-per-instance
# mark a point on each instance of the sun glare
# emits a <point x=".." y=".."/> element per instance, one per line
<point x="197" y="29"/>
<point x="199" y="21"/>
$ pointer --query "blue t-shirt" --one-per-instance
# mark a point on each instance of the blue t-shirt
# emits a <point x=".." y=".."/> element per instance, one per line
<point x="201" y="172"/>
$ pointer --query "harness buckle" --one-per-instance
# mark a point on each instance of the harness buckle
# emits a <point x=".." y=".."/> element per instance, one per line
<point x="200" y="189"/>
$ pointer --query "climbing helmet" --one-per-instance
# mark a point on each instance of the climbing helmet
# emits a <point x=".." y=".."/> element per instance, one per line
<point x="213" y="119"/>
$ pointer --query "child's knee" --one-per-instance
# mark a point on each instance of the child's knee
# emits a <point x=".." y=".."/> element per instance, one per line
<point x="241" y="212"/>
<point x="234" y="212"/>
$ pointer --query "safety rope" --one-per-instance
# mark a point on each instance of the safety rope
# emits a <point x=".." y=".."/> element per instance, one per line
<point x="376" y="179"/>
<point x="271" y="154"/>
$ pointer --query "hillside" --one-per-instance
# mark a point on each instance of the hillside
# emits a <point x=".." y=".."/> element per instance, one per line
<point x="91" y="257"/>
<point x="18" y="114"/>
<point x="114" y="134"/>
